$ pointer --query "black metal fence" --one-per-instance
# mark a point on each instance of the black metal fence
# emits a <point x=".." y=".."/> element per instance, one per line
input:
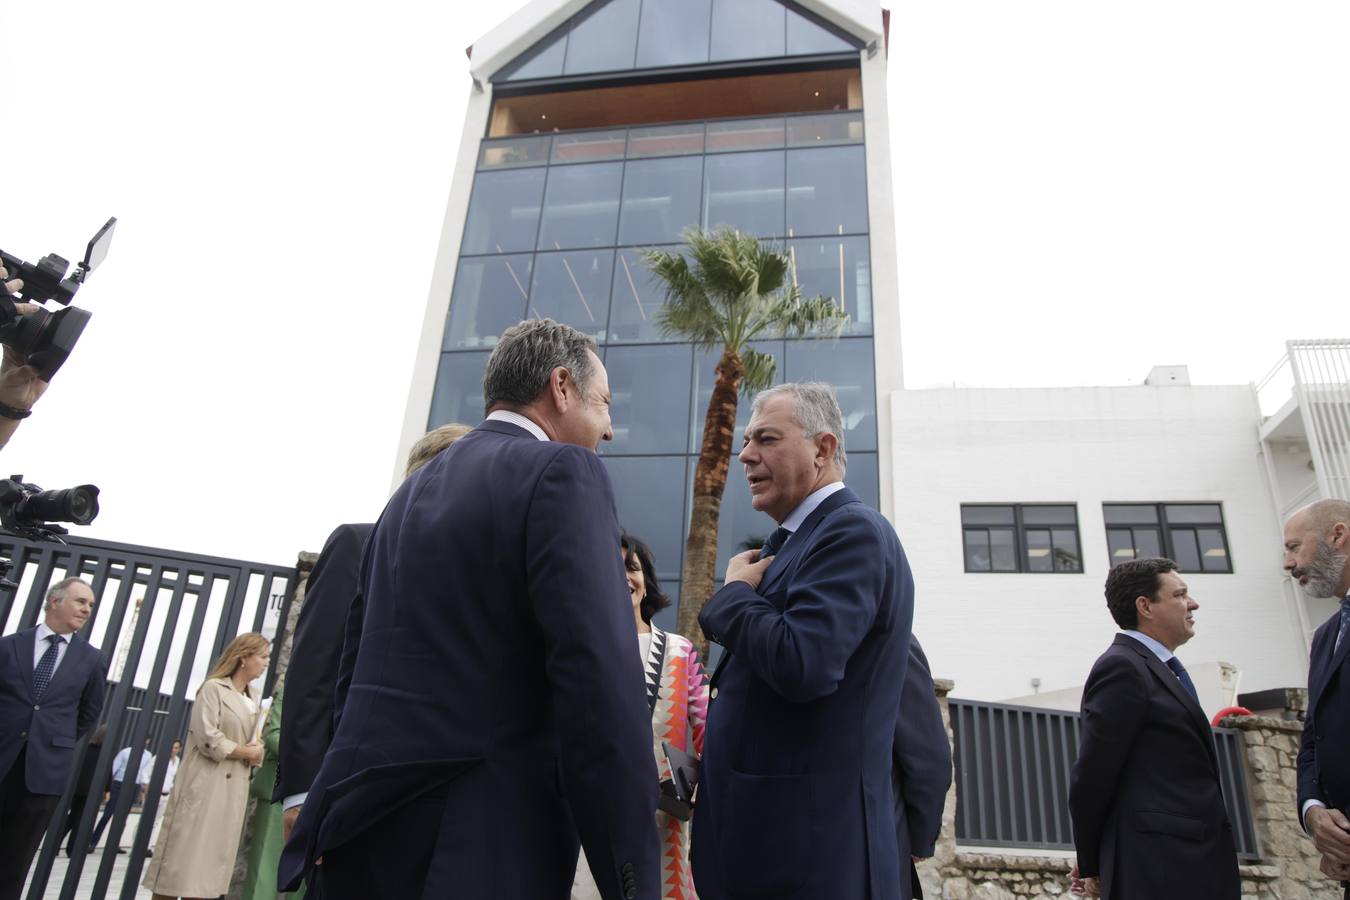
<point x="161" y="618"/>
<point x="1012" y="777"/>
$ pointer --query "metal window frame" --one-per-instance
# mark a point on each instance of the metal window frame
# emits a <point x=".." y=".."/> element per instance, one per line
<point x="1020" y="527"/>
<point x="1165" y="530"/>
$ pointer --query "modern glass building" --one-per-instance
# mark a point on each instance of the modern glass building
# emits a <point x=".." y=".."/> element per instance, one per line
<point x="595" y="130"/>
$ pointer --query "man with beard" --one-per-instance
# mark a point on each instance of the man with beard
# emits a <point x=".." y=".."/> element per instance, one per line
<point x="1316" y="543"/>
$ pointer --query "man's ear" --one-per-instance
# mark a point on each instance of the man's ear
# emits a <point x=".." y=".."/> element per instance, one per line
<point x="1340" y="536"/>
<point x="826" y="445"/>
<point x="560" y="387"/>
<point x="1143" y="607"/>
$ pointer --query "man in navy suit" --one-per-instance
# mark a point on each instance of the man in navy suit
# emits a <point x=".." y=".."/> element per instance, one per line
<point x="51" y="694"/>
<point x="1149" y="822"/>
<point x="1316" y="543"/>
<point x="796" y="797"/>
<point x="331" y="609"/>
<point x="923" y="771"/>
<point x="496" y="708"/>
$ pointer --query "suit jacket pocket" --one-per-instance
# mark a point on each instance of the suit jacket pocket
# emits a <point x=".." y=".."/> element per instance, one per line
<point x="60" y="740"/>
<point x="766" y="834"/>
<point x="1155" y="821"/>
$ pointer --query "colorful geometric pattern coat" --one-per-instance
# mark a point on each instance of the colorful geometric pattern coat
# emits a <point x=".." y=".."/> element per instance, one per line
<point x="677" y="692"/>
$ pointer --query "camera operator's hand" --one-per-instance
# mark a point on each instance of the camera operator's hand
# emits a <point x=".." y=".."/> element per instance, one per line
<point x="20" y="386"/>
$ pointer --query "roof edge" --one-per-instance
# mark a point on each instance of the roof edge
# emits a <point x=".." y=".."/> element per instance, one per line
<point x="523" y="29"/>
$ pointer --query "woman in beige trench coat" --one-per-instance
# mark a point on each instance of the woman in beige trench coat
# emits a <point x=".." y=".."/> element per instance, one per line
<point x="194" y="856"/>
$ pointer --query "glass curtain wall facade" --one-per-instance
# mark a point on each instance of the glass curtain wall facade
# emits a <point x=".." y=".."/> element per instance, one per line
<point x="617" y="35"/>
<point x="556" y="227"/>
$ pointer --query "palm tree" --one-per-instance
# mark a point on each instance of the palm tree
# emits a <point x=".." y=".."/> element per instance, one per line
<point x="724" y="290"/>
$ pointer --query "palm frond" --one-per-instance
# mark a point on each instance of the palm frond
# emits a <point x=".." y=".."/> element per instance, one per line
<point x="793" y="315"/>
<point x="759" y="371"/>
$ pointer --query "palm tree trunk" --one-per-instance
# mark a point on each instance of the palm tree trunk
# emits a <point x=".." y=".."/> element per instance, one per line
<point x="710" y="479"/>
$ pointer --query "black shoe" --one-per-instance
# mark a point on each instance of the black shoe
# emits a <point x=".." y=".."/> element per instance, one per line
<point x="121" y="849"/>
<point x="93" y="850"/>
<point x="149" y="853"/>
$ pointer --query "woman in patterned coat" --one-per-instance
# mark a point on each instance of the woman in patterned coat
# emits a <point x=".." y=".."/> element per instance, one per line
<point x="677" y="694"/>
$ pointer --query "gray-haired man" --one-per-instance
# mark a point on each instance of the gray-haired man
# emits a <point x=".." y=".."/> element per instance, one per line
<point x="51" y="694"/>
<point x="796" y="798"/>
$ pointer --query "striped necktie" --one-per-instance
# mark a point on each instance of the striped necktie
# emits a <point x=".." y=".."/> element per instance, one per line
<point x="42" y="675"/>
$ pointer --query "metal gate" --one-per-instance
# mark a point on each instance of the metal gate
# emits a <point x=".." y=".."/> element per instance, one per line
<point x="161" y="618"/>
<point x="1012" y="766"/>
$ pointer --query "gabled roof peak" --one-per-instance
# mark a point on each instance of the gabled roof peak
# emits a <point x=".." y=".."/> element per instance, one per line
<point x="534" y="41"/>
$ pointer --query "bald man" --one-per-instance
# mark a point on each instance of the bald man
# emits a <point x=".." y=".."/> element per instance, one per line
<point x="1316" y="544"/>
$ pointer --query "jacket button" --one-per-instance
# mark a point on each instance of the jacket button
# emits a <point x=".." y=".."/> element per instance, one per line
<point x="712" y="695"/>
<point x="36" y="706"/>
<point x="630" y="892"/>
<point x="627" y="871"/>
<point x="23" y="734"/>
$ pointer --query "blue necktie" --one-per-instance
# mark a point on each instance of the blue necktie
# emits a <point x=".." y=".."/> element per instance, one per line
<point x="775" y="541"/>
<point x="1345" y="623"/>
<point x="1175" y="665"/>
<point x="42" y="675"/>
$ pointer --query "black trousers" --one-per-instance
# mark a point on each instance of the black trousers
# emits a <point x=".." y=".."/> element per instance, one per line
<point x="114" y="790"/>
<point x="389" y="861"/>
<point x="77" y="804"/>
<point x="23" y="819"/>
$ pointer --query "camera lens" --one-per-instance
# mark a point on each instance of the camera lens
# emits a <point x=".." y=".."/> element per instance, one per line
<point x="78" y="505"/>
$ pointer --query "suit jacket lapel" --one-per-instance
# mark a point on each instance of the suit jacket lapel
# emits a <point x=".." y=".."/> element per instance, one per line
<point x="801" y="537"/>
<point x="23" y="649"/>
<point x="1325" y="660"/>
<point x="1173" y="684"/>
<point x="1335" y="659"/>
<point x="789" y="552"/>
<point x="69" y="662"/>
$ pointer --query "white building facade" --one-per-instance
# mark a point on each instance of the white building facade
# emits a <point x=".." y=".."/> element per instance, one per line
<point x="595" y="128"/>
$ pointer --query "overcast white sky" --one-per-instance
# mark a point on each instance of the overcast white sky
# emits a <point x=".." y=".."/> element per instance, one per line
<point x="1083" y="190"/>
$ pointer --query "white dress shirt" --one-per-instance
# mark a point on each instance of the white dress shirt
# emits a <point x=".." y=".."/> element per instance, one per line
<point x="119" y="766"/>
<point x="514" y="418"/>
<point x="1158" y="649"/>
<point x="40" y="647"/>
<point x="169" y="774"/>
<point x="808" y="506"/>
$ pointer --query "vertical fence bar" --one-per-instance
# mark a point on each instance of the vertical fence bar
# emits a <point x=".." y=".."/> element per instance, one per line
<point x="992" y="748"/>
<point x="177" y="705"/>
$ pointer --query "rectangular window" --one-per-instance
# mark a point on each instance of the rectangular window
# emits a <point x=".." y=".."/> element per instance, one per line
<point x="1021" y="538"/>
<point x="1191" y="534"/>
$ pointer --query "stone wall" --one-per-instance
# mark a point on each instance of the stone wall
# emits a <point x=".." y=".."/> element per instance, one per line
<point x="1287" y="869"/>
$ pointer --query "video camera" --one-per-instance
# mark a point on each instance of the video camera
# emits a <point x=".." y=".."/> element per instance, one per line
<point x="29" y="511"/>
<point x="45" y="338"/>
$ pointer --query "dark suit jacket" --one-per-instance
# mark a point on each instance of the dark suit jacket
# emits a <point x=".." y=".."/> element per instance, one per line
<point x="307" y="715"/>
<point x="1147" y="807"/>
<point x="1323" y="770"/>
<point x="922" y="761"/>
<point x="498" y="666"/>
<point x="51" y="728"/>
<point x="796" y="799"/>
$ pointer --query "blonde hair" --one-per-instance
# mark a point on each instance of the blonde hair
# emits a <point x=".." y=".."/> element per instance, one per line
<point x="432" y="443"/>
<point x="239" y="649"/>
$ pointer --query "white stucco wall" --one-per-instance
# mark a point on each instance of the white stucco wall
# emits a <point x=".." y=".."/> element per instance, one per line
<point x="993" y="633"/>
